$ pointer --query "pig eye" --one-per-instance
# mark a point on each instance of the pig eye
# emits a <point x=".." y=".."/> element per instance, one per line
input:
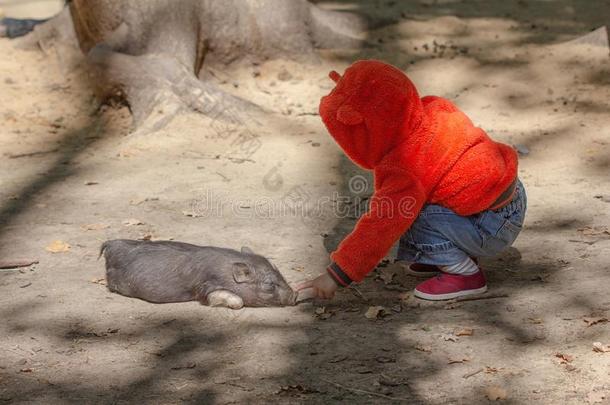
<point x="268" y="286"/>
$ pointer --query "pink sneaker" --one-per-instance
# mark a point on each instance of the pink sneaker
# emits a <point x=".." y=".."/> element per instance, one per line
<point x="448" y="286"/>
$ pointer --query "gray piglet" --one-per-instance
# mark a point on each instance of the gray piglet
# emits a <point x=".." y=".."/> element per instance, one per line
<point x="166" y="271"/>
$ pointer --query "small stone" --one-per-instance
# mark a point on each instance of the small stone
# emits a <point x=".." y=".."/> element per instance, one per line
<point x="522" y="149"/>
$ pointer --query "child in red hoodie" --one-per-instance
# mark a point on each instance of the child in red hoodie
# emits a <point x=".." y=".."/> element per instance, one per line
<point x="446" y="190"/>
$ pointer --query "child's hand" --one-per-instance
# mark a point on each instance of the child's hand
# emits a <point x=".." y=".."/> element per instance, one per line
<point x="323" y="286"/>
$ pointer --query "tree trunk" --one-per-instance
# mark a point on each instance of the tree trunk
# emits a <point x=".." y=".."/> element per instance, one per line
<point x="152" y="51"/>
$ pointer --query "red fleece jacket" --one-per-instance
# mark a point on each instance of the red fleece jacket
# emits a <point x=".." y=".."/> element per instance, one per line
<point x="421" y="150"/>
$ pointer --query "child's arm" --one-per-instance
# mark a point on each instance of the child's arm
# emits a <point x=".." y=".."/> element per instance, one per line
<point x="396" y="203"/>
<point x="397" y="200"/>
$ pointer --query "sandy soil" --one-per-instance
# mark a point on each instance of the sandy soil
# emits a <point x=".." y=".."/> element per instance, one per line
<point x="76" y="173"/>
<point x="30" y="8"/>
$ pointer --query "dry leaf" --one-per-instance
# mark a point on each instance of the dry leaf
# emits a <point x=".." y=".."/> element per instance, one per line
<point x="374" y="312"/>
<point x="292" y="390"/>
<point x="362" y="369"/>
<point x="389" y="381"/>
<point x="590" y="321"/>
<point x="138" y="201"/>
<point x="101" y="281"/>
<point x="564" y="358"/>
<point x="601" y="348"/>
<point x="150" y="236"/>
<point x="132" y="222"/>
<point x="385" y="359"/>
<point x="94" y="227"/>
<point x="322" y="313"/>
<point x="495" y="393"/>
<point x="464" y="332"/>
<point x="387" y="275"/>
<point x="404" y="296"/>
<point x="325" y="316"/>
<point x="594" y="231"/>
<point x="58" y="246"/>
<point x="570" y="367"/>
<point x="423" y="348"/>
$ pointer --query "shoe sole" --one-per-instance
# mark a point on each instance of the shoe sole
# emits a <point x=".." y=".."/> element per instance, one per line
<point x="448" y="296"/>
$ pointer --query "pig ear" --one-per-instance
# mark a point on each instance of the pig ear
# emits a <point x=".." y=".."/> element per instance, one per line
<point x="246" y="250"/>
<point x="346" y="114"/>
<point x="242" y="273"/>
<point x="334" y="76"/>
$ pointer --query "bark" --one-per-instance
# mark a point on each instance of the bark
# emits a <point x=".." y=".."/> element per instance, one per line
<point x="151" y="52"/>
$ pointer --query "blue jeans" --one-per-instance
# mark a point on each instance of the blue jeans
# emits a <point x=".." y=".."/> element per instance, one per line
<point x="441" y="237"/>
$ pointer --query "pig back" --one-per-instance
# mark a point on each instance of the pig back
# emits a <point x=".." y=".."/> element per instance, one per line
<point x="161" y="271"/>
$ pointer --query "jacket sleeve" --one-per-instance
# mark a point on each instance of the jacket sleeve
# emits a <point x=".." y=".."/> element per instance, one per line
<point x="394" y="206"/>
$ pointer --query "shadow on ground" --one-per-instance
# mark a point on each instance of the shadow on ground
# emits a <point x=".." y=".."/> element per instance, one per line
<point x="344" y="358"/>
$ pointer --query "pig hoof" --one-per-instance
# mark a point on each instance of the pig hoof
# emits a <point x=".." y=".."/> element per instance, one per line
<point x="224" y="298"/>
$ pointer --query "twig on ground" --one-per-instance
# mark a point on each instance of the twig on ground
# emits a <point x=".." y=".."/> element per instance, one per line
<point x="14" y="264"/>
<point x="482" y="297"/>
<point x="30" y="154"/>
<point x="472" y="373"/>
<point x="393" y="287"/>
<point x="365" y="392"/>
<point x="357" y="293"/>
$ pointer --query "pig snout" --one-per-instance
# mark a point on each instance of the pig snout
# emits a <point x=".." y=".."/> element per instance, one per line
<point x="288" y="297"/>
<point x="255" y="297"/>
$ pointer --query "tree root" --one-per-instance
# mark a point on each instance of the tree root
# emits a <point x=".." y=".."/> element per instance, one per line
<point x="150" y="53"/>
<point x="158" y="87"/>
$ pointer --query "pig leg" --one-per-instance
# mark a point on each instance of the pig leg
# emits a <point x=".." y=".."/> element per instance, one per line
<point x="224" y="298"/>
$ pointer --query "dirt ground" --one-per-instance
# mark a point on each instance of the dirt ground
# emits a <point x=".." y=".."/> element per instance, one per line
<point x="74" y="174"/>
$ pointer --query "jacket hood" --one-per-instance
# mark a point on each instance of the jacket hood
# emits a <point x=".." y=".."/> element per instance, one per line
<point x="373" y="108"/>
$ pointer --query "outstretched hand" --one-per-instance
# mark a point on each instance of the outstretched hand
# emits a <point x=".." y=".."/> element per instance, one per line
<point x="323" y="286"/>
